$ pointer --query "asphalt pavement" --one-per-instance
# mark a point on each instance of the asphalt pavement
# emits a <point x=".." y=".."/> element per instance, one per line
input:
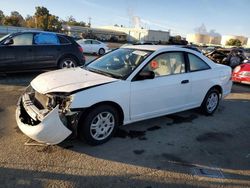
<point x="186" y="149"/>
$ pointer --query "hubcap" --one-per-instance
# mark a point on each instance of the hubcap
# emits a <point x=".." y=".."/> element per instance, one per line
<point x="102" y="125"/>
<point x="212" y="102"/>
<point x="101" y="52"/>
<point x="68" y="64"/>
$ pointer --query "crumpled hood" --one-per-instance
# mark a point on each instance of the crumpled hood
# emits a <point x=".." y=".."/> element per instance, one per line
<point x="68" y="80"/>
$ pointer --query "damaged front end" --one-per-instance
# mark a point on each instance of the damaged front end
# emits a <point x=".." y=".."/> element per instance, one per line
<point x="46" y="118"/>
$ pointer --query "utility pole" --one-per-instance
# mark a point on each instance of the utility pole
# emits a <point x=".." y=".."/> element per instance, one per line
<point x="89" y="21"/>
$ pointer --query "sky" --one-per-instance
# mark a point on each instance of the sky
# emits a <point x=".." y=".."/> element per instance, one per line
<point x="181" y="17"/>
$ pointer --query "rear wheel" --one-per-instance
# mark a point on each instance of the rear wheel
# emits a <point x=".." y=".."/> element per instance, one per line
<point x="99" y="125"/>
<point x="67" y="62"/>
<point x="101" y="51"/>
<point x="210" y="102"/>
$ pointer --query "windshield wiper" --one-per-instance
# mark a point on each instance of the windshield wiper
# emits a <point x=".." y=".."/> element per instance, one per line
<point x="103" y="73"/>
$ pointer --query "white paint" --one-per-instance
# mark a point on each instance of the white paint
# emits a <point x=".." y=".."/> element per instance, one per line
<point x="139" y="100"/>
<point x="67" y="80"/>
<point x="92" y="46"/>
<point x="50" y="131"/>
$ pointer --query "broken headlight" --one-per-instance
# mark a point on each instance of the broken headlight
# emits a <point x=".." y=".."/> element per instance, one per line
<point x="62" y="99"/>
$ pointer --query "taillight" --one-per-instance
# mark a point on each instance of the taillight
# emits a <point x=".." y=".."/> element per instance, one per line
<point x="237" y="69"/>
<point x="80" y="49"/>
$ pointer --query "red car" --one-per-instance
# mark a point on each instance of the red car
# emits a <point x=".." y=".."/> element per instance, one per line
<point x="241" y="73"/>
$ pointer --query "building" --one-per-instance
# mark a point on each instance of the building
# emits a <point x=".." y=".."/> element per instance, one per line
<point x="226" y="38"/>
<point x="201" y="39"/>
<point x="248" y="43"/>
<point x="97" y="33"/>
<point x="12" y="29"/>
<point x="139" y="34"/>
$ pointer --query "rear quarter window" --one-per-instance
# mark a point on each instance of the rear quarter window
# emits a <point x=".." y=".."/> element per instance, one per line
<point x="63" y="40"/>
<point x="46" y="38"/>
<point x="196" y="63"/>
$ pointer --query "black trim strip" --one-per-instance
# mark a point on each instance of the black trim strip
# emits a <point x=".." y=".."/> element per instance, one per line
<point x="82" y="89"/>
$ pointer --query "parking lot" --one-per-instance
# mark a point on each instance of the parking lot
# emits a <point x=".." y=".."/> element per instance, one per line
<point x="180" y="150"/>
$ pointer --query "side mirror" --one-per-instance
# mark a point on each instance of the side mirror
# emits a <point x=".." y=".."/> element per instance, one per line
<point x="144" y="75"/>
<point x="8" y="42"/>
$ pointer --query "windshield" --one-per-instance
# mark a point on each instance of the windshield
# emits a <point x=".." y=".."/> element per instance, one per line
<point x="4" y="37"/>
<point x="120" y="63"/>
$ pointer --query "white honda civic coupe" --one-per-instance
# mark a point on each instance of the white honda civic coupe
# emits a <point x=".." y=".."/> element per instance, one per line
<point x="124" y="86"/>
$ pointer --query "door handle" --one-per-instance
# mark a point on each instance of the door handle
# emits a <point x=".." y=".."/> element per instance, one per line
<point x="184" y="81"/>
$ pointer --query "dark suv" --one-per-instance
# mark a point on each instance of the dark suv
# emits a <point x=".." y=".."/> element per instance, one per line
<point x="33" y="50"/>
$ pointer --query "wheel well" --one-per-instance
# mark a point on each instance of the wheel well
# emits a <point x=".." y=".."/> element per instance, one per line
<point x="218" y="88"/>
<point x="68" y="56"/>
<point x="110" y="103"/>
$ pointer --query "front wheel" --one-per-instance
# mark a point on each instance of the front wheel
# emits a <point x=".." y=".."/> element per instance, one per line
<point x="210" y="102"/>
<point x="99" y="125"/>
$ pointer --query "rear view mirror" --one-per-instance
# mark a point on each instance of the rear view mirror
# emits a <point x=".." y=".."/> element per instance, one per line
<point x="9" y="42"/>
<point x="144" y="75"/>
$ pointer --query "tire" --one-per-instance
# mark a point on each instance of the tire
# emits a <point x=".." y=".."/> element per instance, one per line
<point x="210" y="102"/>
<point x="101" y="51"/>
<point x="99" y="125"/>
<point x="67" y="62"/>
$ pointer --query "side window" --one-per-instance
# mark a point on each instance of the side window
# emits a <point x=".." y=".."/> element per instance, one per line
<point x="63" y="40"/>
<point x="88" y="42"/>
<point x="167" y="64"/>
<point x="46" y="38"/>
<point x="196" y="63"/>
<point x="23" y="39"/>
<point x="95" y="42"/>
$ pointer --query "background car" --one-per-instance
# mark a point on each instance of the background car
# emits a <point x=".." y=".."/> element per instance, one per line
<point x="93" y="46"/>
<point x="241" y="73"/>
<point x="247" y="52"/>
<point x="34" y="50"/>
<point x="209" y="49"/>
<point x="218" y="55"/>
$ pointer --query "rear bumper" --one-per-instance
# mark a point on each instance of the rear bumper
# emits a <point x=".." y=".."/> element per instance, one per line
<point x="227" y="88"/>
<point x="241" y="79"/>
<point x="50" y="130"/>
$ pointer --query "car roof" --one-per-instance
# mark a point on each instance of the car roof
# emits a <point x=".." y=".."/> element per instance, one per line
<point x="158" y="47"/>
<point x="147" y="47"/>
<point x="37" y="31"/>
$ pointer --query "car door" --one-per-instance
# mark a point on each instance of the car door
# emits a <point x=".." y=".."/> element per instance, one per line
<point x="87" y="46"/>
<point x="201" y="78"/>
<point x="46" y="49"/>
<point x="96" y="46"/>
<point x="8" y="58"/>
<point x="166" y="93"/>
<point x="17" y="53"/>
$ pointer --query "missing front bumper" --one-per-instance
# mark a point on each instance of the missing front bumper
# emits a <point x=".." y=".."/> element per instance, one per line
<point x="50" y="130"/>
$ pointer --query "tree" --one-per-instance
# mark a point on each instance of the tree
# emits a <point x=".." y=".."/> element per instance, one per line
<point x="72" y="22"/>
<point x="54" y="23"/>
<point x="1" y="17"/>
<point x="233" y="42"/>
<point x="177" y="38"/>
<point x="42" y="18"/>
<point x="30" y="21"/>
<point x="15" y="19"/>
<point x="41" y="11"/>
